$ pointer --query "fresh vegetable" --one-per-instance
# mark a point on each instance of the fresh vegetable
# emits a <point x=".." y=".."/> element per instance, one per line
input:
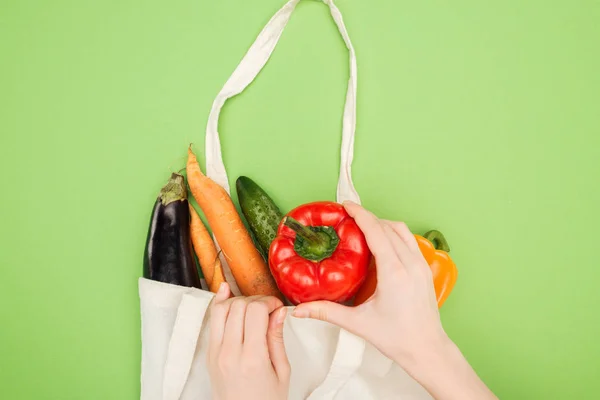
<point x="435" y="249"/>
<point x="262" y="214"/>
<point x="368" y="287"/>
<point x="168" y="255"/>
<point x="247" y="265"/>
<point x="218" y="276"/>
<point x="203" y="246"/>
<point x="319" y="254"/>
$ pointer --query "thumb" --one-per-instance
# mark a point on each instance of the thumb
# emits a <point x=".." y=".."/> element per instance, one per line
<point x="328" y="311"/>
<point x="276" y="346"/>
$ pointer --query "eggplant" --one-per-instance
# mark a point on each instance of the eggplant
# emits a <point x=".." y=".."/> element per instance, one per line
<point x="169" y="255"/>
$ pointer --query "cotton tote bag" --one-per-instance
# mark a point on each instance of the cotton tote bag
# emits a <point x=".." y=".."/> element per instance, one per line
<point x="327" y="362"/>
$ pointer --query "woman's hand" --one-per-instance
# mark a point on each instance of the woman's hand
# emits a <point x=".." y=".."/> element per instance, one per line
<point x="401" y="319"/>
<point x="246" y="356"/>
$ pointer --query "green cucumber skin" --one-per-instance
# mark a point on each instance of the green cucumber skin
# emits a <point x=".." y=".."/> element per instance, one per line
<point x="262" y="214"/>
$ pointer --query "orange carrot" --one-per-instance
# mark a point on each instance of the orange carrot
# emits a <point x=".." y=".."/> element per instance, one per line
<point x="247" y="265"/>
<point x="218" y="276"/>
<point x="203" y="246"/>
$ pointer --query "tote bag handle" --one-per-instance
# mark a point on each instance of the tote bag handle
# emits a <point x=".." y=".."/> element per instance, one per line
<point x="250" y="66"/>
<point x="350" y="349"/>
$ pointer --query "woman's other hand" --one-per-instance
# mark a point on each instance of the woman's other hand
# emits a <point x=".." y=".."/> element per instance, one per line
<point x="246" y="355"/>
<point x="401" y="319"/>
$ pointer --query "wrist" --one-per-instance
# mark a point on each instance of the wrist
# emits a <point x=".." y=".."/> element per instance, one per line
<point x="444" y="372"/>
<point x="434" y="351"/>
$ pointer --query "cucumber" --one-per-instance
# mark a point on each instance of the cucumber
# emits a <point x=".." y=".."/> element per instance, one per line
<point x="262" y="214"/>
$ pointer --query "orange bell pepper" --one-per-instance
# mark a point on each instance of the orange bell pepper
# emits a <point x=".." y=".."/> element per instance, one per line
<point x="434" y="248"/>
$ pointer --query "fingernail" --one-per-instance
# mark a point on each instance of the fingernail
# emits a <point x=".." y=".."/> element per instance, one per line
<point x="300" y="313"/>
<point x="281" y="316"/>
<point x="221" y="288"/>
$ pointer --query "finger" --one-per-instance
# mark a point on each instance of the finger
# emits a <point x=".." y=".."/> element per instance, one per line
<point x="397" y="243"/>
<point x="257" y="320"/>
<point x="234" y="327"/>
<point x="405" y="234"/>
<point x="402" y="250"/>
<point x="368" y="223"/>
<point x="335" y="313"/>
<point x="276" y="346"/>
<point x="219" y="313"/>
<point x="223" y="293"/>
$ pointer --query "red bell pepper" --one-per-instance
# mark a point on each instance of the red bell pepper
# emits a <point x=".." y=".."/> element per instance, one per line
<point x="319" y="253"/>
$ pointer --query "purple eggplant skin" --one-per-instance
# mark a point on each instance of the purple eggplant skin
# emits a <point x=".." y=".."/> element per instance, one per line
<point x="169" y="256"/>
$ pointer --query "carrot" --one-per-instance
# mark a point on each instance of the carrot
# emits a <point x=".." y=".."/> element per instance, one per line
<point x="203" y="246"/>
<point x="247" y="265"/>
<point x="218" y="276"/>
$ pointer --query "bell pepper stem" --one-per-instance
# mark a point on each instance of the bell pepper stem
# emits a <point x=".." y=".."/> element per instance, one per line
<point x="314" y="243"/>
<point x="303" y="231"/>
<point x="438" y="240"/>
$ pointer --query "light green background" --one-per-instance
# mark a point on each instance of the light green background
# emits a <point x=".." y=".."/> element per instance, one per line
<point x="478" y="118"/>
